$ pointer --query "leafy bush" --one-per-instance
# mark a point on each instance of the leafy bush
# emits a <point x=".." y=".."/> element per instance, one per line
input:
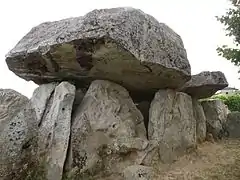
<point x="232" y="101"/>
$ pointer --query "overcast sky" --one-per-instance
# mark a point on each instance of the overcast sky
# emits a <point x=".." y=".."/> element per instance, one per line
<point x="193" y="20"/>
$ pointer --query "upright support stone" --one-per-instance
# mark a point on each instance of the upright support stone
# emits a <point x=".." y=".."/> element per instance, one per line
<point x="40" y="99"/>
<point x="106" y="127"/>
<point x="233" y="125"/>
<point x="54" y="132"/>
<point x="200" y="120"/>
<point x="172" y="124"/>
<point x="18" y="129"/>
<point x="11" y="102"/>
<point x="216" y="115"/>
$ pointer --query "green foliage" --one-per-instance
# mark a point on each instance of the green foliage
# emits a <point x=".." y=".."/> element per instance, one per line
<point x="232" y="101"/>
<point x="231" y="21"/>
<point x="37" y="172"/>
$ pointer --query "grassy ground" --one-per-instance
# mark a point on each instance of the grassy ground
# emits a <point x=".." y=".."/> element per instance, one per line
<point x="211" y="161"/>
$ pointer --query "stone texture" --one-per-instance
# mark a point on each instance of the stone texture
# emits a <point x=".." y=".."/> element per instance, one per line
<point x="216" y="115"/>
<point x="11" y="102"/>
<point x="40" y="99"/>
<point x="199" y="115"/>
<point x="17" y="131"/>
<point x="78" y="98"/>
<point x="233" y="125"/>
<point x="107" y="131"/>
<point x="124" y="45"/>
<point x="144" y="106"/>
<point x="138" y="172"/>
<point x="54" y="130"/>
<point x="150" y="155"/>
<point x="205" y="84"/>
<point x="172" y="124"/>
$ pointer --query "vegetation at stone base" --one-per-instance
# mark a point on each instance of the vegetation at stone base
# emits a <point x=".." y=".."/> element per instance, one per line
<point x="232" y="101"/>
<point x="231" y="21"/>
<point x="37" y="172"/>
<point x="211" y="161"/>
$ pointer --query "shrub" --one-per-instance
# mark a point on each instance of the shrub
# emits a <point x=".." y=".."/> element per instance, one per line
<point x="232" y="101"/>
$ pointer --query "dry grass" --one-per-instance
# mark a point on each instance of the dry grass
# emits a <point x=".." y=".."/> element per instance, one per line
<point x="211" y="161"/>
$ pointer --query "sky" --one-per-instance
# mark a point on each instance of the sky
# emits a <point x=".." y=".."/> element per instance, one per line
<point x="193" y="20"/>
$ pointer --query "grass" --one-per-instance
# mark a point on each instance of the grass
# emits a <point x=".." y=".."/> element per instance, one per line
<point x="211" y="161"/>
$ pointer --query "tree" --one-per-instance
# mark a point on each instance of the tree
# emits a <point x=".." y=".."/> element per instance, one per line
<point x="231" y="21"/>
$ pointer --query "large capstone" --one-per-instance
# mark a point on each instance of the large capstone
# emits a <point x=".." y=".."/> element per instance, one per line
<point x="205" y="84"/>
<point x="107" y="131"/>
<point x="124" y="45"/>
<point x="172" y="124"/>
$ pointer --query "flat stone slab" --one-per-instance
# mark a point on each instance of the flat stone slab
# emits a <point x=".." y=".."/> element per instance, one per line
<point x="205" y="84"/>
<point x="123" y="45"/>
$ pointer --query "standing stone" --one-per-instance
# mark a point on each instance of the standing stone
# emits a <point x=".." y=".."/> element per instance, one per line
<point x="40" y="99"/>
<point x="138" y="172"/>
<point x="205" y="84"/>
<point x="54" y="131"/>
<point x="106" y="127"/>
<point x="233" y="125"/>
<point x="172" y="124"/>
<point x="17" y="135"/>
<point x="11" y="102"/>
<point x="200" y="120"/>
<point x="124" y="45"/>
<point x="216" y="116"/>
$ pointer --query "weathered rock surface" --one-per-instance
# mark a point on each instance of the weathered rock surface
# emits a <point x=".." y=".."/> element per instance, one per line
<point x="101" y="133"/>
<point x="233" y="125"/>
<point x="138" y="172"/>
<point x="172" y="124"/>
<point x="10" y="103"/>
<point x="205" y="84"/>
<point x="54" y="130"/>
<point x="124" y="45"/>
<point x="40" y="99"/>
<point x="34" y="140"/>
<point x="17" y="131"/>
<point x="107" y="131"/>
<point x="199" y="115"/>
<point x="216" y="115"/>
